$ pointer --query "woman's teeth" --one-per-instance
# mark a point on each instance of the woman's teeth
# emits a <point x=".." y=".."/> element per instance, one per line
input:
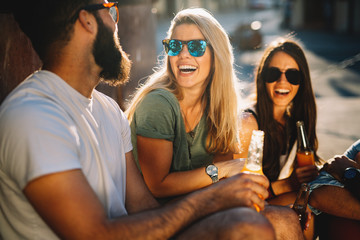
<point x="282" y="91"/>
<point x="187" y="68"/>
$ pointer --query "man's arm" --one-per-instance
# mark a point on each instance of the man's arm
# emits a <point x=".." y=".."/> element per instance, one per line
<point x="337" y="166"/>
<point x="353" y="151"/>
<point x="345" y="203"/>
<point x="335" y="201"/>
<point x="69" y="206"/>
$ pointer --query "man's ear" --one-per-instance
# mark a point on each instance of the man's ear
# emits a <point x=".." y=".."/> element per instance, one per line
<point x="88" y="21"/>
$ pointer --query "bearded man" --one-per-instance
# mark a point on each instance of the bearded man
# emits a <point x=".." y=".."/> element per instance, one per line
<point x="66" y="164"/>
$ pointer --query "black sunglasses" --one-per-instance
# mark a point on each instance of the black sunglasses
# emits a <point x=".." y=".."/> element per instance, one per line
<point x="112" y="6"/>
<point x="173" y="47"/>
<point x="273" y="74"/>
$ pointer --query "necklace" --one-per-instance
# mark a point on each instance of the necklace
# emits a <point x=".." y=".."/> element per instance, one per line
<point x="193" y="130"/>
<point x="193" y="127"/>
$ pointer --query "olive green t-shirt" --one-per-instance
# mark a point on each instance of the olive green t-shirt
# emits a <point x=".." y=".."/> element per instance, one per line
<point x="159" y="116"/>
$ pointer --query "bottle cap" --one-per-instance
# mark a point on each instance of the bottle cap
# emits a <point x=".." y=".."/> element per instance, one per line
<point x="299" y="123"/>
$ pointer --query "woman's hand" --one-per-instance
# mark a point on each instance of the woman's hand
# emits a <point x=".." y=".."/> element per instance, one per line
<point x="304" y="174"/>
<point x="230" y="168"/>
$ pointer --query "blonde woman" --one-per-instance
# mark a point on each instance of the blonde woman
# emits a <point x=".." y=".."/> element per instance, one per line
<point x="184" y="121"/>
<point x="184" y="118"/>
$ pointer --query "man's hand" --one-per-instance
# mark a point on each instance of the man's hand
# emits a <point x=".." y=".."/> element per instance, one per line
<point x="244" y="189"/>
<point x="337" y="165"/>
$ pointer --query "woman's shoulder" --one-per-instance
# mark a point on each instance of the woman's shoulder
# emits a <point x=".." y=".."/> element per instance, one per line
<point x="161" y="94"/>
<point x="250" y="111"/>
<point x="248" y="121"/>
<point x="248" y="118"/>
<point x="160" y="99"/>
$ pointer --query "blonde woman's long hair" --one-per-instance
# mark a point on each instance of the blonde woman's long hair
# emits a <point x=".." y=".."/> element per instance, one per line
<point x="220" y="95"/>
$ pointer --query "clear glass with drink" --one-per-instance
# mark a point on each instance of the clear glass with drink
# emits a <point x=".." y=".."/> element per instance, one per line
<point x="255" y="154"/>
<point x="253" y="163"/>
<point x="304" y="155"/>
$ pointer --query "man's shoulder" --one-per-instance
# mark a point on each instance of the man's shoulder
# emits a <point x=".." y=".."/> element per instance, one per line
<point x="103" y="98"/>
<point x="26" y="105"/>
<point x="34" y="113"/>
<point x="32" y="104"/>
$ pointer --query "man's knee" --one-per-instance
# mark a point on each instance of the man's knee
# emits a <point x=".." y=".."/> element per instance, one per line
<point x="285" y="222"/>
<point x="244" y="223"/>
<point x="281" y="214"/>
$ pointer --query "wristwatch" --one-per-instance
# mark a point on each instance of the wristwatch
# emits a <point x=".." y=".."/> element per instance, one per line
<point x="212" y="171"/>
<point x="351" y="175"/>
<point x="351" y="180"/>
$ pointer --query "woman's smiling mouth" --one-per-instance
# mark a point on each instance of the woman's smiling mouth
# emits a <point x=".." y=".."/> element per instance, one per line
<point x="187" y="68"/>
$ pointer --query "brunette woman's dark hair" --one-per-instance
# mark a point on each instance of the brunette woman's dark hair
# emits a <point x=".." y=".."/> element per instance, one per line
<point x="279" y="139"/>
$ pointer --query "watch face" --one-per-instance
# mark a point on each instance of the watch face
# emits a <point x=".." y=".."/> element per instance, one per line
<point x="211" y="170"/>
<point x="350" y="173"/>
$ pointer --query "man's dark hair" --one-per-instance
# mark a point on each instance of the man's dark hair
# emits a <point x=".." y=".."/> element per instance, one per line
<point x="48" y="23"/>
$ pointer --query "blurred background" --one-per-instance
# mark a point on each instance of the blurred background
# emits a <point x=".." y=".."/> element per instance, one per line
<point x="328" y="30"/>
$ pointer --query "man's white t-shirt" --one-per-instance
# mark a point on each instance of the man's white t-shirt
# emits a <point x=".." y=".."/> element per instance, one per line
<point x="46" y="126"/>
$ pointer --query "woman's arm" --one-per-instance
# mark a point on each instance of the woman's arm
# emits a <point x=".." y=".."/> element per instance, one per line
<point x="138" y="196"/>
<point x="248" y="123"/>
<point x="291" y="184"/>
<point x="155" y="158"/>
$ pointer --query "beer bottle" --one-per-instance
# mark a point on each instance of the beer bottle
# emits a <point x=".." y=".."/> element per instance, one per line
<point x="304" y="155"/>
<point x="300" y="204"/>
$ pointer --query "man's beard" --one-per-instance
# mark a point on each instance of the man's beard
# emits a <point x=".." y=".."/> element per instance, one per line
<point x="110" y="57"/>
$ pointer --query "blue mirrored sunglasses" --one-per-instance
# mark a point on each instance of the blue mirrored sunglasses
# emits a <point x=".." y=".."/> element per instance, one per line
<point x="173" y="47"/>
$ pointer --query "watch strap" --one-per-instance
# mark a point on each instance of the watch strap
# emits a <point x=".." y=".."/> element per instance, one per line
<point x="214" y="178"/>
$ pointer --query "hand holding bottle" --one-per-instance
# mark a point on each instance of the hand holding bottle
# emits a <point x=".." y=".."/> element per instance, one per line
<point x="253" y="163"/>
<point x="306" y="170"/>
<point x="242" y="189"/>
<point x="306" y="174"/>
